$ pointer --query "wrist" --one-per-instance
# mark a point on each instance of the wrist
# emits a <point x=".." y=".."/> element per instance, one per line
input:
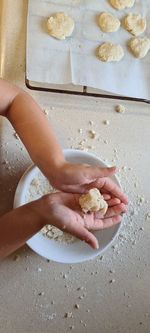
<point x="36" y="212"/>
<point x="55" y="174"/>
<point x="43" y="208"/>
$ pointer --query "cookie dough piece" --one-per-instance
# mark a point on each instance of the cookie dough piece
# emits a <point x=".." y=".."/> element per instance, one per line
<point x="135" y="24"/>
<point x="122" y="4"/>
<point x="60" y="25"/>
<point x="139" y="47"/>
<point x="110" y="52"/>
<point x="108" y="23"/>
<point x="93" y="201"/>
<point x="120" y="108"/>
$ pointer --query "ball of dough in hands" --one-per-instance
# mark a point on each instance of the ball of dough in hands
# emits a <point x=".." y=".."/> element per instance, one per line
<point x="135" y="24"/>
<point x="139" y="47"/>
<point x="122" y="4"/>
<point x="108" y="23"/>
<point x="60" y="25"/>
<point x="110" y="52"/>
<point x="93" y="201"/>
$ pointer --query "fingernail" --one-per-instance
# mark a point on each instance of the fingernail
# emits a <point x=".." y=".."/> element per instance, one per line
<point x="113" y="167"/>
<point x="97" y="246"/>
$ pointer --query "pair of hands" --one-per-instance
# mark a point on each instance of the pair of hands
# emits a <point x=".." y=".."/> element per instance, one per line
<point x="62" y="209"/>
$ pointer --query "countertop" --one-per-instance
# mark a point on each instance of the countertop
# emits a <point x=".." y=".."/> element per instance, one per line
<point x="113" y="290"/>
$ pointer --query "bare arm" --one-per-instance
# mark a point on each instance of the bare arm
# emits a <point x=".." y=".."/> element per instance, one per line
<point x="59" y="209"/>
<point x="18" y="225"/>
<point x="32" y="126"/>
<point x="34" y="130"/>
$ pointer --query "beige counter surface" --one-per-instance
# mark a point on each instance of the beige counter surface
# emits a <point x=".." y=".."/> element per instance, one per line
<point x="113" y="290"/>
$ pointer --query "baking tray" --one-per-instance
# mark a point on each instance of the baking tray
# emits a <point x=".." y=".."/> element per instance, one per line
<point x="71" y="88"/>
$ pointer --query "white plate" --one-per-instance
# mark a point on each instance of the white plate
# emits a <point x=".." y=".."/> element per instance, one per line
<point x="53" y="250"/>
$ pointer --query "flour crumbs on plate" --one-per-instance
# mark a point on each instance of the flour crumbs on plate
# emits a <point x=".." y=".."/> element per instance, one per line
<point x="38" y="187"/>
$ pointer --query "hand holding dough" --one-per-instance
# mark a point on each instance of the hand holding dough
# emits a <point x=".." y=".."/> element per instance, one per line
<point x="60" y="25"/>
<point x="139" y="46"/>
<point x="110" y="52"/>
<point x="122" y="4"/>
<point x="108" y="23"/>
<point x="93" y="201"/>
<point x="135" y="24"/>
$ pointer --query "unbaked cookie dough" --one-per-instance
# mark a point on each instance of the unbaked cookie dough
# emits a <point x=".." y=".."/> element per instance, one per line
<point x="93" y="201"/>
<point x="135" y="24"/>
<point x="120" y="108"/>
<point x="122" y="4"/>
<point x="108" y="52"/>
<point x="139" y="47"/>
<point x="108" y="23"/>
<point x="60" y="25"/>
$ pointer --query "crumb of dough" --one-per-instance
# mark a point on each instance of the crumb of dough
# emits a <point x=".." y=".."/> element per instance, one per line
<point x="16" y="135"/>
<point x="60" y="25"/>
<point x="16" y="257"/>
<point x="112" y="281"/>
<point x="108" y="23"/>
<point x="110" y="52"/>
<point x="135" y="24"/>
<point x="92" y="134"/>
<point x="139" y="47"/>
<point x="46" y="112"/>
<point x="68" y="315"/>
<point x="120" y="108"/>
<point x="122" y="4"/>
<point x="106" y="122"/>
<point x="93" y="201"/>
<point x="91" y="122"/>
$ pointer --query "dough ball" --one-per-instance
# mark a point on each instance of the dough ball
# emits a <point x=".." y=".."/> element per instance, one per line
<point x="139" y="46"/>
<point x="135" y="24"/>
<point x="110" y="52"/>
<point x="60" y="25"/>
<point x="120" y="108"/>
<point x="93" y="201"/>
<point x="108" y="23"/>
<point x="122" y="4"/>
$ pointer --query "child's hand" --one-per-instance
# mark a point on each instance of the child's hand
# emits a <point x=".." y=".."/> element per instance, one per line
<point x="59" y="209"/>
<point x="78" y="178"/>
<point x="63" y="211"/>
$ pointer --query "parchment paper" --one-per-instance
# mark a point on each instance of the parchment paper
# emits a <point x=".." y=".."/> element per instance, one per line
<point x="74" y="59"/>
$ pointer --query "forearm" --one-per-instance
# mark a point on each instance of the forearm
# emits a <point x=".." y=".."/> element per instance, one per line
<point x="32" y="126"/>
<point x="17" y="226"/>
<point x="35" y="132"/>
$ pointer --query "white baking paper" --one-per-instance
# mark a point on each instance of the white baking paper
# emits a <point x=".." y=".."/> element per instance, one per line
<point x="74" y="60"/>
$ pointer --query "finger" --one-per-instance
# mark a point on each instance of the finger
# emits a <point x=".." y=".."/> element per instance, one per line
<point x="84" y="188"/>
<point x="114" y="189"/>
<point x="107" y="196"/>
<point x="104" y="191"/>
<point x="82" y="233"/>
<point x="106" y="223"/>
<point x="116" y="210"/>
<point x="113" y="202"/>
<point x="93" y="172"/>
<point x="74" y="188"/>
<point x="112" y="211"/>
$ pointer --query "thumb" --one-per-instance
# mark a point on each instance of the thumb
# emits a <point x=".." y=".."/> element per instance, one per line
<point x="95" y="172"/>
